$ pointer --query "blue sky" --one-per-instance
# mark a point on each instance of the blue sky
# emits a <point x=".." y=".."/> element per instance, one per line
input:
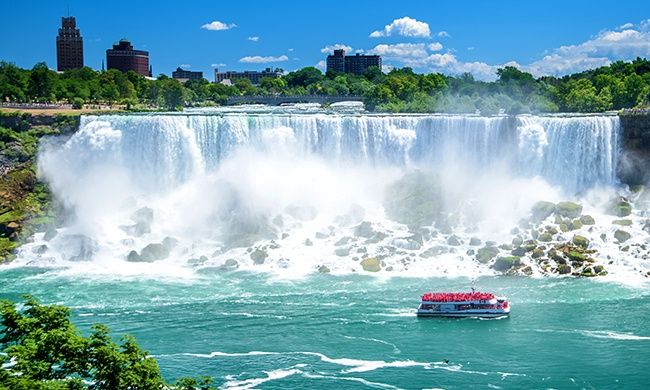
<point x="550" y="37"/>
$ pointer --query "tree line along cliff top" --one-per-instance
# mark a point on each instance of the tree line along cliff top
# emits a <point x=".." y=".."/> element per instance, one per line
<point x="620" y="85"/>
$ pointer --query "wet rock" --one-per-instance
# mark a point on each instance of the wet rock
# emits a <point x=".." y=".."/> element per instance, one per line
<point x="487" y="253"/>
<point x="568" y="209"/>
<point x="40" y="249"/>
<point x="545" y="237"/>
<point x="169" y="243"/>
<point x="646" y="226"/>
<point x="580" y="241"/>
<point x="302" y="213"/>
<point x="505" y="247"/>
<point x="133" y="257"/>
<point x="406" y="243"/>
<point x="588" y="272"/>
<point x="622" y="222"/>
<point x="564" y="227"/>
<point x="587" y="220"/>
<point x="342" y="252"/>
<point x="371" y="264"/>
<point x="433" y="251"/>
<point x="321" y="235"/>
<point x="505" y="263"/>
<point x="542" y="210"/>
<point x="619" y="207"/>
<point x="470" y="252"/>
<point x="552" y="230"/>
<point x="343" y="241"/>
<point x="537" y="253"/>
<point x="517" y="241"/>
<point x="308" y="242"/>
<point x="323" y="269"/>
<point x="576" y="224"/>
<point x="50" y="234"/>
<point x="622" y="235"/>
<point x="518" y="251"/>
<point x="377" y="237"/>
<point x="143" y="215"/>
<point x="154" y="252"/>
<point x="453" y="241"/>
<point x="259" y="256"/>
<point x="284" y="236"/>
<point x="364" y="229"/>
<point x="564" y="269"/>
<point x="137" y="230"/>
<point x="229" y="265"/>
<point x="475" y="241"/>
<point x="82" y="247"/>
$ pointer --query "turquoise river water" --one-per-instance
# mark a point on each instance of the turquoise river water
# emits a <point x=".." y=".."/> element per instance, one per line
<point x="353" y="332"/>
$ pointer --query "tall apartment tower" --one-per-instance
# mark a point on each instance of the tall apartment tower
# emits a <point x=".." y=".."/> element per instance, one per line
<point x="69" y="45"/>
<point x="124" y="57"/>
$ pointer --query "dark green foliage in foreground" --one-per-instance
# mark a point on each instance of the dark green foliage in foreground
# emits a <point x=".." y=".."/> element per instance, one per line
<point x="619" y="85"/>
<point x="44" y="350"/>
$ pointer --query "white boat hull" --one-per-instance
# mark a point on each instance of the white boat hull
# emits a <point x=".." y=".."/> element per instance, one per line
<point x="426" y="313"/>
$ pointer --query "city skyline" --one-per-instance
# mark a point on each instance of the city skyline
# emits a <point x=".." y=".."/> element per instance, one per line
<point x="451" y="39"/>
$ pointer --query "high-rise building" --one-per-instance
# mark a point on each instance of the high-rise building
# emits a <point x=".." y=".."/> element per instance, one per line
<point x="123" y="57"/>
<point x="69" y="46"/>
<point x="357" y="64"/>
<point x="254" y="76"/>
<point x="336" y="62"/>
<point x="183" y="75"/>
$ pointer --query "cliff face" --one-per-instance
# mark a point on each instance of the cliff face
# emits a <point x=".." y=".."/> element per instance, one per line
<point x="634" y="167"/>
<point x="25" y="202"/>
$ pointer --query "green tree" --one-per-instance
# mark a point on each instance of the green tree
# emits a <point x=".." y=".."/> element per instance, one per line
<point x="44" y="350"/>
<point x="41" y="83"/>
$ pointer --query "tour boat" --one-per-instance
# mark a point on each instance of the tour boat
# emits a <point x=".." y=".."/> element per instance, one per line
<point x="470" y="304"/>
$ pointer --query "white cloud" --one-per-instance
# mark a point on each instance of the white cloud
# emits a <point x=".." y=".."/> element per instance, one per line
<point x="330" y="48"/>
<point x="435" y="46"/>
<point x="601" y="50"/>
<point x="470" y="48"/>
<point x="261" y="59"/>
<point x="321" y="65"/>
<point x="254" y="39"/>
<point x="444" y="34"/>
<point x="217" y="65"/>
<point x="290" y="49"/>
<point x="406" y="27"/>
<point x="401" y="51"/>
<point x="185" y="66"/>
<point x="625" y="26"/>
<point x="218" y="26"/>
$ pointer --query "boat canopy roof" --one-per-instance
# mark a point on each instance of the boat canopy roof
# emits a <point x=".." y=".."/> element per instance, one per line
<point x="456" y="297"/>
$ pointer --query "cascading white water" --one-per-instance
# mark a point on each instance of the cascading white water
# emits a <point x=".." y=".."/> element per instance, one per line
<point x="573" y="152"/>
<point x="295" y="186"/>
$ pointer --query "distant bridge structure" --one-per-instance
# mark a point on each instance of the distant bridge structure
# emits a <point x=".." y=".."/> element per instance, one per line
<point x="276" y="100"/>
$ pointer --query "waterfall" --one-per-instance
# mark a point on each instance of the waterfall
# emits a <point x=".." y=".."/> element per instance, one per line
<point x="575" y="153"/>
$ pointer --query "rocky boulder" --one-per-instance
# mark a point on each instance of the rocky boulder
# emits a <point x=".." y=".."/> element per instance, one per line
<point x="487" y="253"/>
<point x="568" y="209"/>
<point x="542" y="210"/>
<point x="622" y="235"/>
<point x="364" y="229"/>
<point x="580" y="241"/>
<point x="154" y="252"/>
<point x="258" y="256"/>
<point x="371" y="264"/>
<point x="505" y="263"/>
<point x="619" y="207"/>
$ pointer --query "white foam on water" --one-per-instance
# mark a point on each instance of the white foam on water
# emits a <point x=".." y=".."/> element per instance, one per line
<point x="254" y="382"/>
<point x="613" y="335"/>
